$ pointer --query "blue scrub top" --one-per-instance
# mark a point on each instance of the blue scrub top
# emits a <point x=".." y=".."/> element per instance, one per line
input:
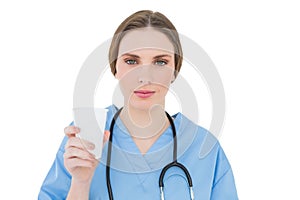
<point x="135" y="176"/>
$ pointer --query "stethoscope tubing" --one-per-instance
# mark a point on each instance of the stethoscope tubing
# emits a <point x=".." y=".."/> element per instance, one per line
<point x="164" y="170"/>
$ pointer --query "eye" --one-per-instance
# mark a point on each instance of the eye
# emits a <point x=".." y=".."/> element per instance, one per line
<point x="131" y="62"/>
<point x="161" y="62"/>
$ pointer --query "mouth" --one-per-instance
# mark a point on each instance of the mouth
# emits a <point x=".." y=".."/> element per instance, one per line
<point x="144" y="93"/>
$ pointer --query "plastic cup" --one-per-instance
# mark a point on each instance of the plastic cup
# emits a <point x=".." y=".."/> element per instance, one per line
<point x="91" y="122"/>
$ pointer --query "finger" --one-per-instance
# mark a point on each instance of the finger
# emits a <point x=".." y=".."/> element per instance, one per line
<point x="74" y="142"/>
<point x="79" y="143"/>
<point x="73" y="152"/>
<point x="77" y="162"/>
<point x="71" y="131"/>
<point x="106" y="136"/>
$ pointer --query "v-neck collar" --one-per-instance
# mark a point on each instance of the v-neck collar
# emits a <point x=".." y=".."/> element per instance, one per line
<point x="126" y="156"/>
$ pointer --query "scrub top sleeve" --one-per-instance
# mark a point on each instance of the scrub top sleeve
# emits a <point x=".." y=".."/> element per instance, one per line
<point x="58" y="180"/>
<point x="225" y="188"/>
<point x="224" y="184"/>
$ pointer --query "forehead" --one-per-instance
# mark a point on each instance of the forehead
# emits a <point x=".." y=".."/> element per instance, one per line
<point x="145" y="38"/>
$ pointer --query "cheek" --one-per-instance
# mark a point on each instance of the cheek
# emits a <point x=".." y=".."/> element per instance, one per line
<point x="164" y="76"/>
<point x="128" y="80"/>
<point x="163" y="90"/>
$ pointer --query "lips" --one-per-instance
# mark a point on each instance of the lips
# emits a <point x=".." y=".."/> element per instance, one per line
<point x="144" y="93"/>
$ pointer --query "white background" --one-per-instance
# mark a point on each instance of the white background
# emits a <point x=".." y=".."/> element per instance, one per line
<point x="255" y="46"/>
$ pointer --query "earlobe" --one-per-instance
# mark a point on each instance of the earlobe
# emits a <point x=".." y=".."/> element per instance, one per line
<point x="117" y="75"/>
<point x="174" y="77"/>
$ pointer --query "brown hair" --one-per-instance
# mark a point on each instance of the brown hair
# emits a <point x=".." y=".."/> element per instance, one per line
<point x="142" y="19"/>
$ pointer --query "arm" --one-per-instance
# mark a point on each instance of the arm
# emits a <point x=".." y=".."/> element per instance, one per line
<point x="57" y="182"/>
<point x="69" y="176"/>
<point x="224" y="184"/>
<point x="79" y="190"/>
<point x="72" y="171"/>
<point x="225" y="187"/>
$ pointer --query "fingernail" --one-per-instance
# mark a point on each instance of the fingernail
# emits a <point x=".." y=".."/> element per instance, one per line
<point x="91" y="146"/>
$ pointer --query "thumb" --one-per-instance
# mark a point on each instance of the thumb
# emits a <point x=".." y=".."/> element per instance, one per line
<point x="106" y="136"/>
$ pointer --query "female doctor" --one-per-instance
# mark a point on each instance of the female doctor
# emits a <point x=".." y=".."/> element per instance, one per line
<point x="145" y="56"/>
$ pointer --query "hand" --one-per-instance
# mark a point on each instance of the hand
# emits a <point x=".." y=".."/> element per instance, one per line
<point x="79" y="162"/>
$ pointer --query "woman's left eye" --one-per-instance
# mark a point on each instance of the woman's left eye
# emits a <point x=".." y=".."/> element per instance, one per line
<point x="161" y="62"/>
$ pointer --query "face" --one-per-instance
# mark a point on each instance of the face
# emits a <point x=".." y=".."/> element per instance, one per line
<point x="145" y="68"/>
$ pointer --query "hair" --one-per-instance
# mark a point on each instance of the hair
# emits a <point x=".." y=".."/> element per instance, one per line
<point x="143" y="19"/>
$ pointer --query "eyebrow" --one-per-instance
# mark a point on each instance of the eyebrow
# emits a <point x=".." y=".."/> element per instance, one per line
<point x="129" y="54"/>
<point x="155" y="57"/>
<point x="163" y="55"/>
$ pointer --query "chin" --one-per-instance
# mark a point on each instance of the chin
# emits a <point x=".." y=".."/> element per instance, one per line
<point x="141" y="104"/>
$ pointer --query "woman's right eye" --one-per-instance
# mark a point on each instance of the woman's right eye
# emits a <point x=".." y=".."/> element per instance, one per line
<point x="131" y="62"/>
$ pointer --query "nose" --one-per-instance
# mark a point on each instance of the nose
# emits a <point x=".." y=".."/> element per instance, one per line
<point x="145" y="75"/>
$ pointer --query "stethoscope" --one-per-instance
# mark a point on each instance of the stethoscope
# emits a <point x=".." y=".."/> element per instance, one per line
<point x="174" y="163"/>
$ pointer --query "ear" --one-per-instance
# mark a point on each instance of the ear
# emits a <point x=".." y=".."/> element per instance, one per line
<point x="173" y="77"/>
<point x="117" y="76"/>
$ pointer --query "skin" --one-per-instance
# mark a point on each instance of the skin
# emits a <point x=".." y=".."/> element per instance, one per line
<point x="145" y="70"/>
<point x="140" y="69"/>
<point x="80" y="163"/>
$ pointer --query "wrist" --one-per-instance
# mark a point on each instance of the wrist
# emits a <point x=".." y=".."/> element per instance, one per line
<point x="79" y="190"/>
<point x="82" y="183"/>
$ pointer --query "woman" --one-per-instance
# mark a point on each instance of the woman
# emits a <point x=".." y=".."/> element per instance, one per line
<point x="145" y="56"/>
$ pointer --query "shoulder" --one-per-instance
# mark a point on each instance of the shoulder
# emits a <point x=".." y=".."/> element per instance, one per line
<point x="199" y="139"/>
<point x="205" y="147"/>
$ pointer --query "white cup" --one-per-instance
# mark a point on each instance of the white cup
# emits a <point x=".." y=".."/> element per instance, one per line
<point x="91" y="122"/>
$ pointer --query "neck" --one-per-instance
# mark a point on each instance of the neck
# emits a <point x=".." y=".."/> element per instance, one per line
<point x="144" y="123"/>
